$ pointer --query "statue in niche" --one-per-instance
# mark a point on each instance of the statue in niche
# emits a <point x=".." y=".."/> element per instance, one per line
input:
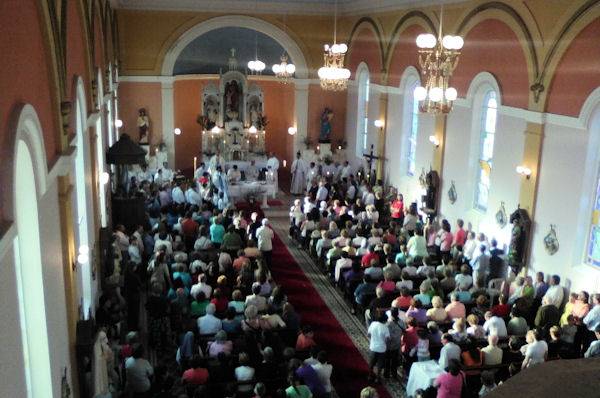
<point x="232" y="100"/>
<point x="211" y="111"/>
<point x="255" y="115"/>
<point x="143" y="124"/>
<point x="325" y="134"/>
<point x="518" y="240"/>
<point x="430" y="199"/>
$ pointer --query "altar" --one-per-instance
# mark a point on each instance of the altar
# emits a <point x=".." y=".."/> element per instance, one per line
<point x="259" y="189"/>
<point x="231" y="117"/>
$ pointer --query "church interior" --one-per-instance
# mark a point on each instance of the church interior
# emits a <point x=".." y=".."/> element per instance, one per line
<point x="300" y="198"/>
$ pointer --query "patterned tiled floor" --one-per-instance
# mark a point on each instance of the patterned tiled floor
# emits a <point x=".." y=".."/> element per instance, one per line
<point x="332" y="297"/>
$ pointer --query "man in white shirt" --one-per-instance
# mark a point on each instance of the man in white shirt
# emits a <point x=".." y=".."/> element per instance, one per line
<point x="209" y="323"/>
<point x="494" y="325"/>
<point x="256" y="299"/>
<point x="480" y="264"/>
<point x="322" y="192"/>
<point x="144" y="174"/>
<point x="233" y="174"/>
<point x="201" y="286"/>
<point x="167" y="173"/>
<point x="323" y="370"/>
<point x="449" y="351"/>
<point x="139" y="371"/>
<point x="369" y="197"/>
<point x="329" y="170"/>
<point x="177" y="195"/>
<point x="379" y="334"/>
<point x="343" y="263"/>
<point x="273" y="166"/>
<point x="555" y="293"/>
<point x="135" y="255"/>
<point x="298" y="170"/>
<point x="346" y="170"/>
<point x="251" y="172"/>
<point x="193" y="197"/>
<point x="264" y="236"/>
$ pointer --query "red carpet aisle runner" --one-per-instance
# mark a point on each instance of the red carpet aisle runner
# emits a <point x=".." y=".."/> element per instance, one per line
<point x="349" y="367"/>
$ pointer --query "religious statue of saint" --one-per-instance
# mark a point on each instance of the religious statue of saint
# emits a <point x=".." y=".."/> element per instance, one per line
<point x="232" y="99"/>
<point x="326" y="117"/>
<point x="254" y="115"/>
<point x="518" y="240"/>
<point x="143" y="124"/>
<point x="211" y="112"/>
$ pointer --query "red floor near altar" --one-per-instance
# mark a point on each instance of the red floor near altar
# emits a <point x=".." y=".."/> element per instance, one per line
<point x="350" y="370"/>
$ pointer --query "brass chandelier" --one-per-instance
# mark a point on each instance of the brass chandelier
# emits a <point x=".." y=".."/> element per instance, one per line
<point x="438" y="58"/>
<point x="333" y="75"/>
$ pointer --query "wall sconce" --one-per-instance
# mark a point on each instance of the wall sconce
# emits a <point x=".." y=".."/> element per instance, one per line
<point x="252" y="130"/>
<point x="292" y="130"/>
<point x="379" y="123"/>
<point x="524" y="171"/>
<point x="104" y="178"/>
<point x="177" y="131"/>
<point x="118" y="123"/>
<point x="434" y="140"/>
<point x="215" y="130"/>
<point x="84" y="254"/>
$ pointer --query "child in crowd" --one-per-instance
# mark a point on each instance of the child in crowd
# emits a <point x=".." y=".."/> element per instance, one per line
<point x="488" y="383"/>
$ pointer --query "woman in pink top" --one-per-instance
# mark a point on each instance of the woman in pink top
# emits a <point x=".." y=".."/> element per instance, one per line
<point x="446" y="241"/>
<point x="450" y="384"/>
<point x="581" y="306"/>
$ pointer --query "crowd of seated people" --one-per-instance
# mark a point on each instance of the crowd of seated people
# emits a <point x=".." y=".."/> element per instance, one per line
<point x="191" y="309"/>
<point x="432" y="290"/>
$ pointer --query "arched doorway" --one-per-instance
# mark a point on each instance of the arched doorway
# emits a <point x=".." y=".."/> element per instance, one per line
<point x="29" y="185"/>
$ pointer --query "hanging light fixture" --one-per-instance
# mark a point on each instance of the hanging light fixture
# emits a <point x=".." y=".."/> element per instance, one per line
<point x="333" y="75"/>
<point x="256" y="66"/>
<point x="284" y="70"/>
<point x="438" y="58"/>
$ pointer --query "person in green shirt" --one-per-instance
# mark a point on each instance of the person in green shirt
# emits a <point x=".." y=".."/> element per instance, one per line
<point x="297" y="389"/>
<point x="232" y="242"/>
<point x="198" y="306"/>
<point x="217" y="232"/>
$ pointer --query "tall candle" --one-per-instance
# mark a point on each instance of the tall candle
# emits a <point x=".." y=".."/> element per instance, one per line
<point x="194" y="165"/>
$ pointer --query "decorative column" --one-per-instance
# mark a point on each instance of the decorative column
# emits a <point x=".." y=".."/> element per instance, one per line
<point x="65" y="194"/>
<point x="439" y="132"/>
<point x="168" y="114"/>
<point x="301" y="113"/>
<point x="383" y="111"/>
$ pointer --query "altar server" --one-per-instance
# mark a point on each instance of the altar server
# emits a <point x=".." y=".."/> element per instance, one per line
<point x="220" y="182"/>
<point x="311" y="174"/>
<point x="200" y="171"/>
<point x="299" y="168"/>
<point x="233" y="174"/>
<point x="273" y="166"/>
<point x="216" y="161"/>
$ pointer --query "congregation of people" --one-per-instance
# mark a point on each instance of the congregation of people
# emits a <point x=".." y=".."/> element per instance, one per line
<point x="190" y="307"/>
<point x="431" y="290"/>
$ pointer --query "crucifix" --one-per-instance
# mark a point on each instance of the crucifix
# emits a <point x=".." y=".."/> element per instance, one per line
<point x="371" y="177"/>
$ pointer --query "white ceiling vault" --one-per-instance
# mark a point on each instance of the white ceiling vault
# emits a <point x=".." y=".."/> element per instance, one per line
<point x="298" y="7"/>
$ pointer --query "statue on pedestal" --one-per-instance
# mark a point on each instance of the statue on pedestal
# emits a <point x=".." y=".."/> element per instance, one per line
<point x="518" y="240"/>
<point x="143" y="124"/>
<point x="325" y="134"/>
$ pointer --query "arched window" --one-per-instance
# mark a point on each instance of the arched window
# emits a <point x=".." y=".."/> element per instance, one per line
<point x="362" y="122"/>
<point x="489" y="114"/>
<point x="100" y="153"/>
<point x="411" y="112"/>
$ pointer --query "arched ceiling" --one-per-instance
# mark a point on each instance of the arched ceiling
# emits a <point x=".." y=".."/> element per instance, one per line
<point x="210" y="52"/>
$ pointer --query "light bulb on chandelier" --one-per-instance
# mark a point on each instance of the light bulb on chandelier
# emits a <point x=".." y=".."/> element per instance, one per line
<point x="252" y="130"/>
<point x="215" y="130"/>
<point x="256" y="66"/>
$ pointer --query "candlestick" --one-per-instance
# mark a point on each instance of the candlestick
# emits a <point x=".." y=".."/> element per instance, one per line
<point x="195" y="164"/>
<point x="284" y="162"/>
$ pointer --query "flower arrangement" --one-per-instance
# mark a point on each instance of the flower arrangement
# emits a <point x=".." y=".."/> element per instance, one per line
<point x="204" y="122"/>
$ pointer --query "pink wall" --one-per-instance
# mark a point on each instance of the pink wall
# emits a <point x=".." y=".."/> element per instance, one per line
<point x="404" y="54"/>
<point x="187" y="99"/>
<point x="133" y="96"/>
<point x="577" y="74"/>
<point x="365" y="48"/>
<point x="493" y="47"/>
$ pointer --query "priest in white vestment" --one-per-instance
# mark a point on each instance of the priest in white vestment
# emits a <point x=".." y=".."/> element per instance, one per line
<point x="200" y="170"/>
<point x="220" y="182"/>
<point x="251" y="172"/>
<point x="273" y="167"/>
<point x="311" y="174"/>
<point x="233" y="174"/>
<point x="216" y="161"/>
<point x="299" y="167"/>
<point x="346" y="170"/>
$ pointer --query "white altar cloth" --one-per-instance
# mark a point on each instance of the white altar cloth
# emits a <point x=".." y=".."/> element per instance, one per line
<point x="241" y="189"/>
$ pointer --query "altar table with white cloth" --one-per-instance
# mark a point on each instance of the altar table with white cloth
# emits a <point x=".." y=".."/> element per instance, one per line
<point x="262" y="189"/>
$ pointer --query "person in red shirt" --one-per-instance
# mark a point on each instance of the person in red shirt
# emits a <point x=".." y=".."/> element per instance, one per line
<point x="460" y="237"/>
<point x="502" y="309"/>
<point x="366" y="259"/>
<point x="240" y="260"/>
<point x="410" y="337"/>
<point x="197" y="374"/>
<point x="397" y="209"/>
<point x="403" y="301"/>
<point x="220" y="301"/>
<point x="189" y="229"/>
<point x="306" y="339"/>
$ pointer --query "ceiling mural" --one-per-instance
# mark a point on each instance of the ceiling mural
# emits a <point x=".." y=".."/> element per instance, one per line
<point x="210" y="53"/>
